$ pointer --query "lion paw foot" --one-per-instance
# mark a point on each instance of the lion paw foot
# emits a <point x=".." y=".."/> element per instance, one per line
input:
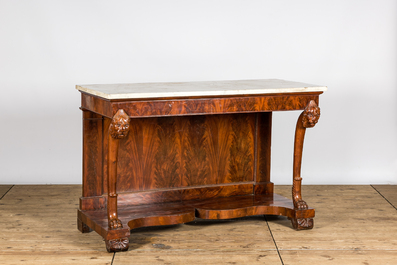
<point x="115" y="224"/>
<point x="301" y="205"/>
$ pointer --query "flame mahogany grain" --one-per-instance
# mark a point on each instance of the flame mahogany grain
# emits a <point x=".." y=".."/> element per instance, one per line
<point x="198" y="106"/>
<point x="153" y="162"/>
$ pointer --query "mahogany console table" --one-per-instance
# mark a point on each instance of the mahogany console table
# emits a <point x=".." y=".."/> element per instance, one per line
<point x="166" y="153"/>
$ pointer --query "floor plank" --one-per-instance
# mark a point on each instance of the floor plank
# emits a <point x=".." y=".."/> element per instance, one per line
<point x="38" y="226"/>
<point x="344" y="257"/>
<point x="389" y="192"/>
<point x="249" y="233"/>
<point x="347" y="218"/>
<point x="198" y="257"/>
<point x="52" y="257"/>
<point x="353" y="225"/>
<point x="242" y="240"/>
<point x="4" y="189"/>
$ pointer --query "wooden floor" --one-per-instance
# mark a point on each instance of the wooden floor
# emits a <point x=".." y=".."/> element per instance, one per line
<point x="353" y="225"/>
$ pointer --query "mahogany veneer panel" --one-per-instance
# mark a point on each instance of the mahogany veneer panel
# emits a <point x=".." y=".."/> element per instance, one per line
<point x="92" y="150"/>
<point x="234" y="207"/>
<point x="198" y="106"/>
<point x="138" y="216"/>
<point x="172" y="195"/>
<point x="187" y="151"/>
<point x="171" y="152"/>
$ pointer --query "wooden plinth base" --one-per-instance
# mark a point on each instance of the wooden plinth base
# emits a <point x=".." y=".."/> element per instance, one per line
<point x="183" y="212"/>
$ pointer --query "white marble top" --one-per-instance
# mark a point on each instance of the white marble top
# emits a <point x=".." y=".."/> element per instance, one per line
<point x="203" y="88"/>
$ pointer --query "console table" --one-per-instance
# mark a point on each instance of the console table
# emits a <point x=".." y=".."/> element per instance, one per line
<point x="167" y="153"/>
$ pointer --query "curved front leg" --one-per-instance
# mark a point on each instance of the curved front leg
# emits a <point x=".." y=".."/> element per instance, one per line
<point x="308" y="118"/>
<point x="118" y="129"/>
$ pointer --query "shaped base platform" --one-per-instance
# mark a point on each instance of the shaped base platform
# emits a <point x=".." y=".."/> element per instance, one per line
<point x="183" y="212"/>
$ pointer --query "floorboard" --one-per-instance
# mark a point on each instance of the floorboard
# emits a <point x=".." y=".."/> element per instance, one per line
<point x="341" y="257"/>
<point x="38" y="226"/>
<point x="353" y="225"/>
<point x="243" y="240"/>
<point x="4" y="189"/>
<point x="389" y="192"/>
<point x="199" y="257"/>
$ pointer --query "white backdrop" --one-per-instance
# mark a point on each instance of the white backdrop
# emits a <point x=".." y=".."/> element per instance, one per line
<point x="47" y="47"/>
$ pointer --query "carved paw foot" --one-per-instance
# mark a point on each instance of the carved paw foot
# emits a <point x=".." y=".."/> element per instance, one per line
<point x="300" y="205"/>
<point x="116" y="245"/>
<point x="115" y="224"/>
<point x="301" y="224"/>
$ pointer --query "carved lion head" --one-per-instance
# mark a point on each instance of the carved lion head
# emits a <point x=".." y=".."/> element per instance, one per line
<point x="120" y="125"/>
<point x="311" y="115"/>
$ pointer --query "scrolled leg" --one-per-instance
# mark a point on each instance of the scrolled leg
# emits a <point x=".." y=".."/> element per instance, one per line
<point x="308" y="118"/>
<point x="118" y="129"/>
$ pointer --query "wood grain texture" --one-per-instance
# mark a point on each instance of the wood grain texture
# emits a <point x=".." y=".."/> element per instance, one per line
<point x="204" y="106"/>
<point x="355" y="225"/>
<point x="42" y="257"/>
<point x="264" y="138"/>
<point x="186" y="211"/>
<point x="308" y="118"/>
<point x="235" y="207"/>
<point x="351" y="217"/>
<point x="185" y="194"/>
<point x="193" y="153"/>
<point x="172" y="152"/>
<point x="118" y="129"/>
<point x="241" y="160"/>
<point x="170" y="195"/>
<point x="340" y="257"/>
<point x="237" y="241"/>
<point x="140" y="216"/>
<point x="137" y="156"/>
<point x="203" y="150"/>
<point x="38" y="226"/>
<point x="199" y="106"/>
<point x="264" y="188"/>
<point x="4" y="189"/>
<point x="97" y="105"/>
<point x="389" y="192"/>
<point x="92" y="154"/>
<point x="201" y="257"/>
<point x="98" y="222"/>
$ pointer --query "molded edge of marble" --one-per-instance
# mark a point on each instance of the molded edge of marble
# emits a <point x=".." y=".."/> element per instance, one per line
<point x="168" y="94"/>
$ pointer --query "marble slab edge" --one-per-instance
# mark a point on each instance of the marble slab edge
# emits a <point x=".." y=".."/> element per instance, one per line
<point x="197" y="93"/>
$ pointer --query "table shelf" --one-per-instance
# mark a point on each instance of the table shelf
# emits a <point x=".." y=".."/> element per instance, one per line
<point x="186" y="211"/>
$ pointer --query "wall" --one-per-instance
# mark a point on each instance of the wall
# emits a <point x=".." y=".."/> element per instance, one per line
<point x="47" y="47"/>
